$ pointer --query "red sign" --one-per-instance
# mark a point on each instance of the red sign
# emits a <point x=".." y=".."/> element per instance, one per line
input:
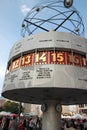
<point x="27" y="60"/>
<point x="49" y="57"/>
<point x="41" y="58"/>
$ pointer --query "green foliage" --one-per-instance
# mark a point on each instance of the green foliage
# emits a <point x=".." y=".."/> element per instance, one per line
<point x="12" y="107"/>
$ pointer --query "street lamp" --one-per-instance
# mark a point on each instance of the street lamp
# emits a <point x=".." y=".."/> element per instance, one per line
<point x="68" y="3"/>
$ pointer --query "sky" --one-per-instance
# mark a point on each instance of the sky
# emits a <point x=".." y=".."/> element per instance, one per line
<point x="12" y="13"/>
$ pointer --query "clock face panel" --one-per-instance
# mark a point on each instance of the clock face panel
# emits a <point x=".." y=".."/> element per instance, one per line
<point x="49" y="57"/>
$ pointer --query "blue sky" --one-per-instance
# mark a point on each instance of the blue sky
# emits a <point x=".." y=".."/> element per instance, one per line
<point x="12" y="13"/>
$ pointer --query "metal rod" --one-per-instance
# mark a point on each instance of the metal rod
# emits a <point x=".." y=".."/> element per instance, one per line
<point x="65" y="20"/>
<point x="36" y="25"/>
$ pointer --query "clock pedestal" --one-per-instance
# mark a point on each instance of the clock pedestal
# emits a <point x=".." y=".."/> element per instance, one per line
<point x="51" y="116"/>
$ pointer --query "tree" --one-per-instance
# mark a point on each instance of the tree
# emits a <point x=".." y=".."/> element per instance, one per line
<point x="12" y="107"/>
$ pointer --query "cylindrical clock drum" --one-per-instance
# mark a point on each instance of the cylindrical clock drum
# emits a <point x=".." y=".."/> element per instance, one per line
<point x="50" y="65"/>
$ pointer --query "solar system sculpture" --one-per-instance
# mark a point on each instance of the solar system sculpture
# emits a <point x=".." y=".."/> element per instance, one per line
<point x="48" y="65"/>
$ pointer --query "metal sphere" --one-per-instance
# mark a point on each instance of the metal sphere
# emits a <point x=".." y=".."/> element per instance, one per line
<point x="52" y="15"/>
<point x="68" y="3"/>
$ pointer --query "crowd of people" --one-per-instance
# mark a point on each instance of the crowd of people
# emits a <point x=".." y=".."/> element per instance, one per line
<point x="35" y="123"/>
<point x="20" y="123"/>
<point x="74" y="124"/>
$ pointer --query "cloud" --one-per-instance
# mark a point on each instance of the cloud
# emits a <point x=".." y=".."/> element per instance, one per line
<point x="25" y="9"/>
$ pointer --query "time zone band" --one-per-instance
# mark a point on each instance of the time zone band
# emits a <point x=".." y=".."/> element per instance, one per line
<point x="48" y="57"/>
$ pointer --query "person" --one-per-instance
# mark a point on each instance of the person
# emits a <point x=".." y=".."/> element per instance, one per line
<point x="21" y="126"/>
<point x="24" y="124"/>
<point x="13" y="125"/>
<point x="39" y="124"/>
<point x="6" y="124"/>
<point x="71" y="126"/>
<point x="31" y="124"/>
<point x="85" y="125"/>
<point x="1" y="123"/>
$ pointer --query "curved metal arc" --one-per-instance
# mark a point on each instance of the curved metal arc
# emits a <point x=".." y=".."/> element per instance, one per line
<point x="63" y="13"/>
<point x="36" y="25"/>
<point x="65" y="20"/>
